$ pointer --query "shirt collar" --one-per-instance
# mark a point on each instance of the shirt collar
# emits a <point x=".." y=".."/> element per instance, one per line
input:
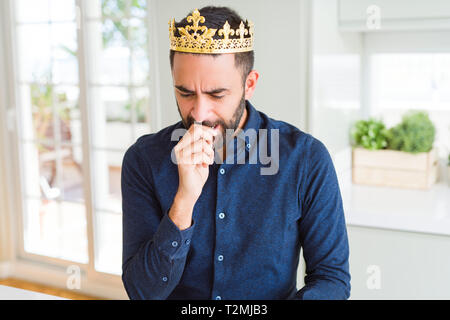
<point x="253" y="122"/>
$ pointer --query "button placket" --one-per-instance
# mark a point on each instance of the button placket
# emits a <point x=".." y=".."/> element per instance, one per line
<point x="220" y="237"/>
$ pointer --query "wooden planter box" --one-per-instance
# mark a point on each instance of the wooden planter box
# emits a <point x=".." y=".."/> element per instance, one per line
<point x="390" y="168"/>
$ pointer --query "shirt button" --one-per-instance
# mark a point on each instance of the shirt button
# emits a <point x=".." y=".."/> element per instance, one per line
<point x="220" y="257"/>
<point x="222" y="171"/>
<point x="221" y="215"/>
<point x="164" y="279"/>
<point x="248" y="145"/>
<point x="188" y="241"/>
<point x="174" y="244"/>
<point x="218" y="298"/>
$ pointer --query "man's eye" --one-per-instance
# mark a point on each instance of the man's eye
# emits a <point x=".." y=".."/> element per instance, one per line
<point x="185" y="95"/>
<point x="217" y="97"/>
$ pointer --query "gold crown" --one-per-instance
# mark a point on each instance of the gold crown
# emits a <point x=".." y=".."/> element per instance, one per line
<point x="191" y="40"/>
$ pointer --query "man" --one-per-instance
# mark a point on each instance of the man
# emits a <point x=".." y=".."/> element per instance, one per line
<point x="201" y="220"/>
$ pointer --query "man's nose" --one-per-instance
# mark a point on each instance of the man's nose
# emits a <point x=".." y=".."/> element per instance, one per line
<point x="201" y="110"/>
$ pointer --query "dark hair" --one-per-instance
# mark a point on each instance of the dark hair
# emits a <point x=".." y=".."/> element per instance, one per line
<point x="215" y="17"/>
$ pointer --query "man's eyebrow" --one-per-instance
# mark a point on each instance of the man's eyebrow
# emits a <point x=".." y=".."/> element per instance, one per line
<point x="213" y="91"/>
<point x="216" y="91"/>
<point x="183" y="89"/>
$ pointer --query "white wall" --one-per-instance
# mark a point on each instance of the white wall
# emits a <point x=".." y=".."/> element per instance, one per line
<point x="279" y="52"/>
<point x="336" y="77"/>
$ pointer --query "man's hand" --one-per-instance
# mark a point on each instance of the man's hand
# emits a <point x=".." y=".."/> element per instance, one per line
<point x="194" y="153"/>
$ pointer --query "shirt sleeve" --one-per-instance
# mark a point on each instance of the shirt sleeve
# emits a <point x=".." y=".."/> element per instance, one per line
<point x="323" y="232"/>
<point x="154" y="248"/>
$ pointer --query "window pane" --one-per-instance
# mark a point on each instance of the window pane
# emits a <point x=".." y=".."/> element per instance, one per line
<point x="140" y="66"/>
<point x="138" y="8"/>
<point x="107" y="167"/>
<point x="137" y="33"/>
<point x="62" y="10"/>
<point x="56" y="229"/>
<point x="115" y="8"/>
<point x="109" y="242"/>
<point x="418" y="81"/>
<point x="412" y="81"/>
<point x="40" y="171"/>
<point x="108" y="53"/>
<point x="38" y="115"/>
<point x="32" y="10"/>
<point x="53" y="173"/>
<point x="34" y="42"/>
<point x="49" y="182"/>
<point x="72" y="174"/>
<point x="41" y="221"/>
<point x="112" y="117"/>
<point x="66" y="104"/>
<point x="142" y="111"/>
<point x="47" y="53"/>
<point x="74" y="244"/>
<point x="36" y="111"/>
<point x="64" y="53"/>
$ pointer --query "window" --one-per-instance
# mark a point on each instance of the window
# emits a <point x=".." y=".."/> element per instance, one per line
<point x="405" y="81"/>
<point x="71" y="153"/>
<point x="54" y="217"/>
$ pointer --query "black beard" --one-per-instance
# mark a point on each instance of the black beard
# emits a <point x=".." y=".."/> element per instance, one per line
<point x="233" y="124"/>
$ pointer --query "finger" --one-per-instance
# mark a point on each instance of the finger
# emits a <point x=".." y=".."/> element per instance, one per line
<point x="200" y="131"/>
<point x="197" y="146"/>
<point x="197" y="158"/>
<point x="187" y="155"/>
<point x="189" y="137"/>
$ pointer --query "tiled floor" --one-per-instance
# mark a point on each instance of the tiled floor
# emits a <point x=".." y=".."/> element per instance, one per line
<point x="21" y="284"/>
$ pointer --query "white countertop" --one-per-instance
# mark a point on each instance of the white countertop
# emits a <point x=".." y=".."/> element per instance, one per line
<point x="10" y="293"/>
<point x="426" y="211"/>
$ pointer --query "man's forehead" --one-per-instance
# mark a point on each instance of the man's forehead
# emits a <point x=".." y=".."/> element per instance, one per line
<point x="216" y="59"/>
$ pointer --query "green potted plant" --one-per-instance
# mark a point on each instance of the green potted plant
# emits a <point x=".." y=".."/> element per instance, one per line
<point x="370" y="134"/>
<point x="402" y="156"/>
<point x="414" y="134"/>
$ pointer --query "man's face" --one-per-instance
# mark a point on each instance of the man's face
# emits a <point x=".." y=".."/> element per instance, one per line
<point x="209" y="90"/>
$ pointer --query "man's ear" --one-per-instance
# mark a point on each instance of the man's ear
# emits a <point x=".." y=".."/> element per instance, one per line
<point x="250" y="84"/>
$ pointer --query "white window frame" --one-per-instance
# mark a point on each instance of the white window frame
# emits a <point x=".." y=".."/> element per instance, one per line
<point x="36" y="267"/>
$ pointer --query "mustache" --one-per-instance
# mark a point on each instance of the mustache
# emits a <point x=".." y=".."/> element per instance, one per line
<point x="207" y="123"/>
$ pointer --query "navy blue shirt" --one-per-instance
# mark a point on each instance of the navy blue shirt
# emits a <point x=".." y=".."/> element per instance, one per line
<point x="248" y="227"/>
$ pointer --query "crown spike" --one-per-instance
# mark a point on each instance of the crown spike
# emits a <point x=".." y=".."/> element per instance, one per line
<point x="226" y="32"/>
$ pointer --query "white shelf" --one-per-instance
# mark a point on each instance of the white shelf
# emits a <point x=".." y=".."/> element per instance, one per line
<point x="425" y="211"/>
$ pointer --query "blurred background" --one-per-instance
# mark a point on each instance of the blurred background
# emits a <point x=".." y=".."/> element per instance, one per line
<point x="81" y="80"/>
